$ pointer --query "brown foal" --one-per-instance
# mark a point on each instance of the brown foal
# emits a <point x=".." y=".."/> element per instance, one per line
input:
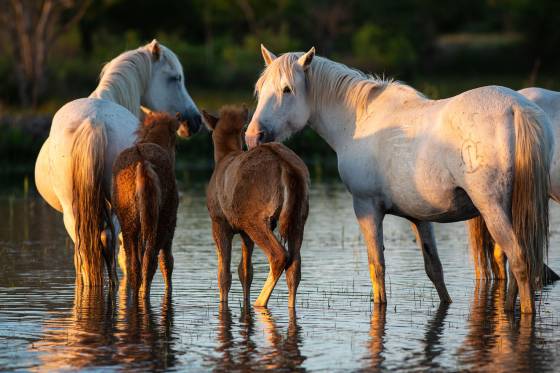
<point x="145" y="199"/>
<point x="250" y="193"/>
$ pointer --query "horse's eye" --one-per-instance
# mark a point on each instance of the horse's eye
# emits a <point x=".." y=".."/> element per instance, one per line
<point x="287" y="90"/>
<point x="176" y="78"/>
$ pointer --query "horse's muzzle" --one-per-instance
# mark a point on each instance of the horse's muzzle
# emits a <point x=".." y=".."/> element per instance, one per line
<point x="194" y="121"/>
<point x="256" y="139"/>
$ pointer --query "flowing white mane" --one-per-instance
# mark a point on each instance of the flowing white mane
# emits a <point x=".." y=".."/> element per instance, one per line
<point x="326" y="81"/>
<point x="125" y="78"/>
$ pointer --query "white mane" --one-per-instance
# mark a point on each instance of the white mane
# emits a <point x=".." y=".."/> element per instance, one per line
<point x="125" y="78"/>
<point x="326" y="81"/>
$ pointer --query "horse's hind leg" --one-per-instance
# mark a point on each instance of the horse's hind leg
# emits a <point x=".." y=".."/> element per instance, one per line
<point x="370" y="219"/>
<point x="149" y="266"/>
<point x="500" y="227"/>
<point x="293" y="269"/>
<point x="427" y="243"/>
<point x="110" y="244"/>
<point x="498" y="263"/>
<point x="70" y="225"/>
<point x="223" y="235"/>
<point x="245" y="269"/>
<point x="277" y="258"/>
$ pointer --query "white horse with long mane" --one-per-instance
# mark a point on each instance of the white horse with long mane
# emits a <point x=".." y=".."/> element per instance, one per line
<point x="425" y="160"/>
<point x="73" y="169"/>
<point x="487" y="258"/>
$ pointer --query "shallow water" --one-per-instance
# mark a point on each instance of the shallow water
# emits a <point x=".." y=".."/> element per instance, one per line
<point x="45" y="324"/>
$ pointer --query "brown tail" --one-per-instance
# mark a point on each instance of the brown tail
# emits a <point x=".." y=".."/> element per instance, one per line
<point x="531" y="188"/>
<point x="482" y="246"/>
<point x="89" y="200"/>
<point x="148" y="200"/>
<point x="295" y="178"/>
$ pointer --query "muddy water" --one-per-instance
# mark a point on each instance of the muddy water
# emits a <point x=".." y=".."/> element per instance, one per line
<point x="45" y="324"/>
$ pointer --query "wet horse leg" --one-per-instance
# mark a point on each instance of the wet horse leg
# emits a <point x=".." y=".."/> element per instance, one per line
<point x="166" y="263"/>
<point x="501" y="229"/>
<point x="277" y="258"/>
<point x="245" y="269"/>
<point x="110" y="245"/>
<point x="70" y="225"/>
<point x="370" y="219"/>
<point x="498" y="263"/>
<point x="427" y="243"/>
<point x="223" y="235"/>
<point x="293" y="270"/>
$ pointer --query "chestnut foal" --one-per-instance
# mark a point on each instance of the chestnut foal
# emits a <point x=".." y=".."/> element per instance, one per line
<point x="249" y="193"/>
<point x="145" y="199"/>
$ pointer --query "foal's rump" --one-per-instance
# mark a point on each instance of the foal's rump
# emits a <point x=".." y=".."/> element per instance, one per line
<point x="278" y="185"/>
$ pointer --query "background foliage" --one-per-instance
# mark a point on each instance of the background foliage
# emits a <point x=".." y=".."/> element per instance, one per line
<point x="440" y="47"/>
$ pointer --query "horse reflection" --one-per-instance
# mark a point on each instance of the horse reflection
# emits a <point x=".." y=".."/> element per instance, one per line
<point x="78" y="340"/>
<point x="431" y="340"/>
<point x="377" y="337"/>
<point x="96" y="333"/>
<point x="496" y="341"/>
<point x="140" y="341"/>
<point x="280" y="352"/>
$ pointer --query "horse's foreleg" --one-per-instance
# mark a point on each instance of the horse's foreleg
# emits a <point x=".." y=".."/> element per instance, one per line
<point x="245" y="269"/>
<point x="370" y="218"/>
<point x="223" y="235"/>
<point x="166" y="264"/>
<point x="427" y="243"/>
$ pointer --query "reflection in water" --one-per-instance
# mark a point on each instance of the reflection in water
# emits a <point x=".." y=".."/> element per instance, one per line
<point x="432" y="337"/>
<point x="45" y="320"/>
<point x="279" y="352"/>
<point x="496" y="341"/>
<point x="377" y="337"/>
<point x="431" y="342"/>
<point x="96" y="333"/>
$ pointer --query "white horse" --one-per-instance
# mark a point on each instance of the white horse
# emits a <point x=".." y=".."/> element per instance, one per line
<point x="73" y="169"/>
<point x="488" y="258"/>
<point x="425" y="160"/>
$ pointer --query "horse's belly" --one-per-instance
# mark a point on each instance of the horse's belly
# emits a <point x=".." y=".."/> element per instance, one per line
<point x="441" y="206"/>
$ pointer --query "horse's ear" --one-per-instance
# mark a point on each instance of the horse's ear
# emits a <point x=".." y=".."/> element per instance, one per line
<point x="268" y="56"/>
<point x="155" y="49"/>
<point x="305" y="60"/>
<point x="209" y="120"/>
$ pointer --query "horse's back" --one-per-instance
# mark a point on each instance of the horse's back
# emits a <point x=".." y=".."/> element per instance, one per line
<point x="463" y="147"/>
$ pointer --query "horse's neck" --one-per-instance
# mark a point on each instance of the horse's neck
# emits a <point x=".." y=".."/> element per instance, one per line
<point x="338" y="124"/>
<point x="112" y="90"/>
<point x="225" y="146"/>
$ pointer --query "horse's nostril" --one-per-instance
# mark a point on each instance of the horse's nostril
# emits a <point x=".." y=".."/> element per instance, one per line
<point x="261" y="136"/>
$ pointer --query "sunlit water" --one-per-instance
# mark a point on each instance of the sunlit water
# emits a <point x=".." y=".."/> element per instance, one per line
<point x="45" y="324"/>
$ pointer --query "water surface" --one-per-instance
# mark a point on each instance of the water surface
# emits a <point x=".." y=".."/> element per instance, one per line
<point x="46" y="324"/>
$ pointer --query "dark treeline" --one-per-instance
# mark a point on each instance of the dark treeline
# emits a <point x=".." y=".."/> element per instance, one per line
<point x="440" y="47"/>
<point x="218" y="40"/>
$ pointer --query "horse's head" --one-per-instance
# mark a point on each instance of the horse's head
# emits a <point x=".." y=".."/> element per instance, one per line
<point x="166" y="90"/>
<point x="283" y="105"/>
<point x="227" y="129"/>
